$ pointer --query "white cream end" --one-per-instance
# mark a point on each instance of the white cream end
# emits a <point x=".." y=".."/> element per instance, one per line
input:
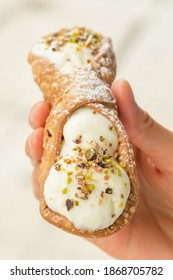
<point x="87" y="185"/>
<point x="67" y="58"/>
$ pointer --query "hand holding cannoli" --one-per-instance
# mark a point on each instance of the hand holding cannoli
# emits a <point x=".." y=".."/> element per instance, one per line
<point x="88" y="183"/>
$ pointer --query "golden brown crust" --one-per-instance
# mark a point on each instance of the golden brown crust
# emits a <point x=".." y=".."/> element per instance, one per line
<point x="65" y="93"/>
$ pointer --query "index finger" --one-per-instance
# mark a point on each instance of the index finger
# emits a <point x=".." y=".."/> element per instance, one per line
<point x="39" y="114"/>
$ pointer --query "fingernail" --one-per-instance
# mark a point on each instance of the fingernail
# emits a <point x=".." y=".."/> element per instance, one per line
<point x="30" y="148"/>
<point x="32" y="117"/>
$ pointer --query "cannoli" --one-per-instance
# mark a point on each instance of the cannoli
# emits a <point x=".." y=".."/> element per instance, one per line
<point x="87" y="174"/>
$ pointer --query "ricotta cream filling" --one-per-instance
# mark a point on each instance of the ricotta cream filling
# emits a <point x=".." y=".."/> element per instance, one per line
<point x="67" y="58"/>
<point x="86" y="184"/>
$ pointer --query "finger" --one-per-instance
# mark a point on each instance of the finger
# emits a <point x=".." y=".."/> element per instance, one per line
<point x="39" y="114"/>
<point x="34" y="145"/>
<point x="145" y="133"/>
<point x="36" y="185"/>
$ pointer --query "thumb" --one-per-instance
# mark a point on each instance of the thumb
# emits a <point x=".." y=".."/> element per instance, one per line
<point x="145" y="133"/>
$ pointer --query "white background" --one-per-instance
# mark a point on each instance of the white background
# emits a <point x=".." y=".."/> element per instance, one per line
<point x="142" y="35"/>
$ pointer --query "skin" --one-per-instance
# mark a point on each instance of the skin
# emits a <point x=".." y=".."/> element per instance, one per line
<point x="150" y="233"/>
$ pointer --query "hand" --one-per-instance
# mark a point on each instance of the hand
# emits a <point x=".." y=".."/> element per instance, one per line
<point x="150" y="233"/>
<point x="34" y="143"/>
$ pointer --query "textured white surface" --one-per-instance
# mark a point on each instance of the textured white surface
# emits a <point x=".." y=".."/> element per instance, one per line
<point x="143" y="40"/>
<point x="90" y="126"/>
<point x="67" y="59"/>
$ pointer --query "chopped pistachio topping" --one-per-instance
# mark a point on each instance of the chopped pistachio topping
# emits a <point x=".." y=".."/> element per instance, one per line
<point x="69" y="179"/>
<point x="90" y="187"/>
<point x="72" y="40"/>
<point x="57" y="167"/>
<point x="109" y="191"/>
<point x="78" y="48"/>
<point x="120" y="204"/>
<point x="65" y="190"/>
<point x="81" y="37"/>
<point x="90" y="163"/>
<point x="122" y="164"/>
<point x="85" y="159"/>
<point x="110" y="127"/>
<point x="90" y="154"/>
<point x="67" y="160"/>
<point x="88" y="176"/>
<point x="108" y="161"/>
<point x="62" y="168"/>
<point x="106" y="171"/>
<point x="119" y="172"/>
<point x="105" y="156"/>
<point x="91" y="157"/>
<point x="79" y="176"/>
<point x="102" y="138"/>
<point x="76" y="202"/>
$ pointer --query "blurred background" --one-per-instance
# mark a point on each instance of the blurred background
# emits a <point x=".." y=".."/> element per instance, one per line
<point x="142" y="33"/>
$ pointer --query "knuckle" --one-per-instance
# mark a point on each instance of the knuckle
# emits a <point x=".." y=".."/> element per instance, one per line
<point x="147" y="123"/>
<point x="143" y="125"/>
